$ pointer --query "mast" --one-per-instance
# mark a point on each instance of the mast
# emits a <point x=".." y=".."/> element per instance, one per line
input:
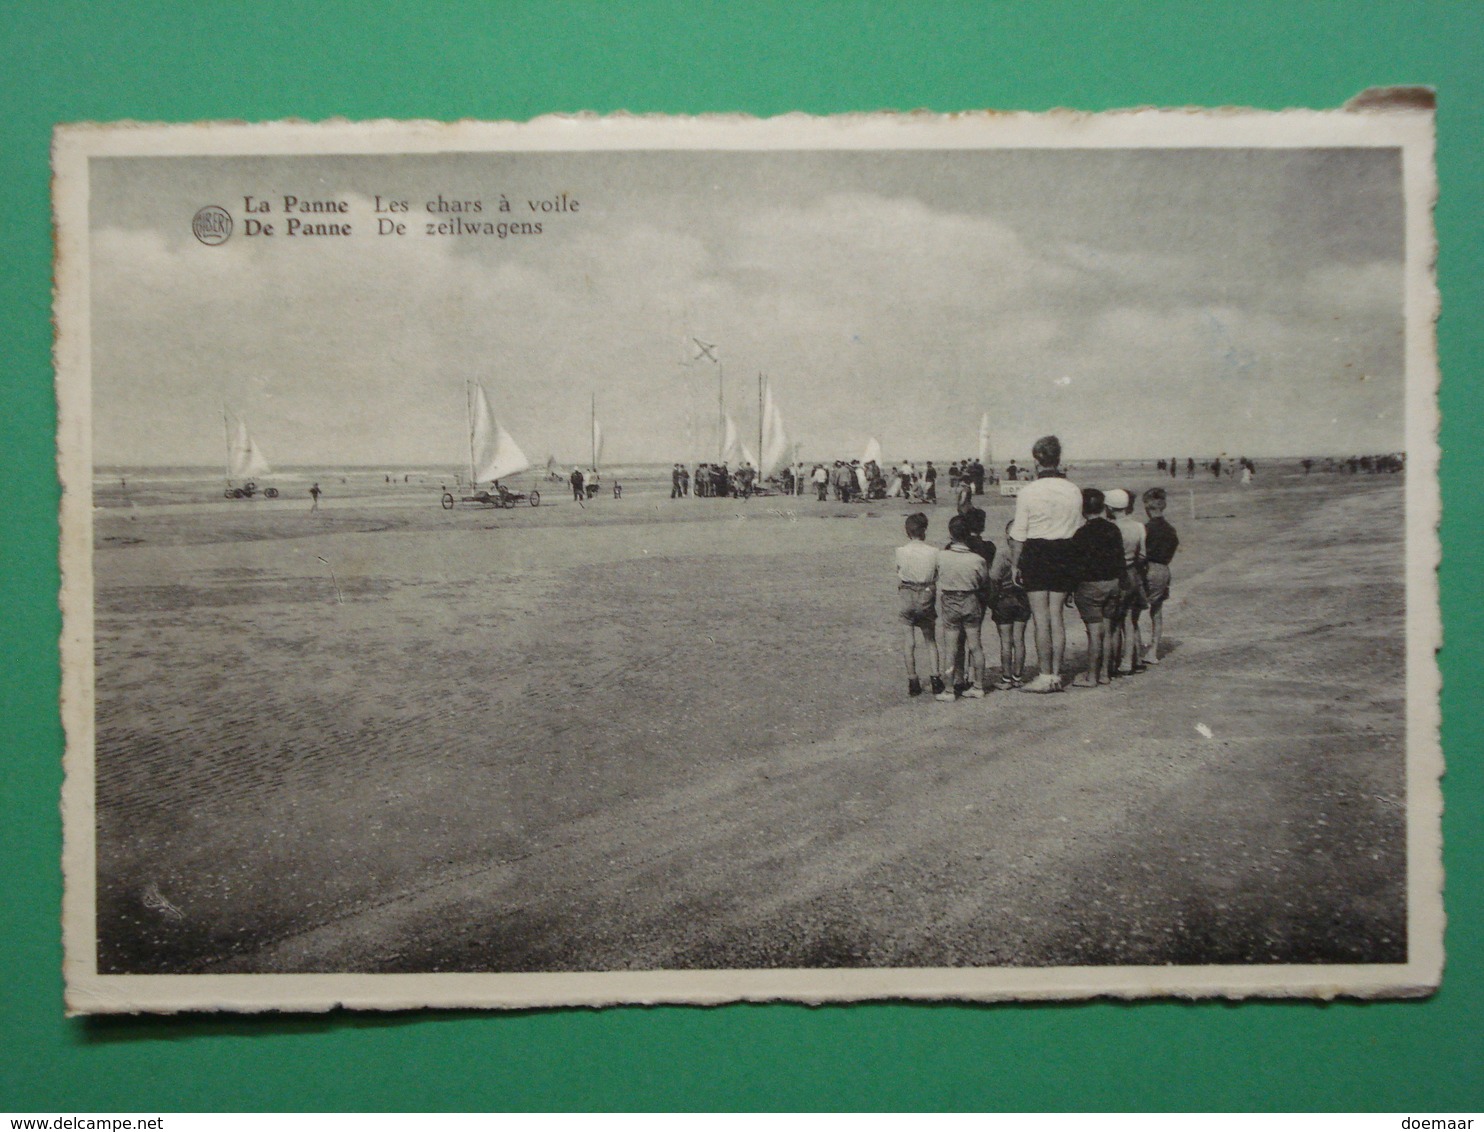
<point x="760" y="414"/>
<point x="469" y="417"/>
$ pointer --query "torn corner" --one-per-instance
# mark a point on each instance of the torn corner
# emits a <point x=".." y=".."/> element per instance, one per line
<point x="1395" y="98"/>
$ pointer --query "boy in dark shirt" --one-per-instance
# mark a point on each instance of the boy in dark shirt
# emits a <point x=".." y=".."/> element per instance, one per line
<point x="1098" y="548"/>
<point x="1011" y="613"/>
<point x="1160" y="544"/>
<point x="962" y="577"/>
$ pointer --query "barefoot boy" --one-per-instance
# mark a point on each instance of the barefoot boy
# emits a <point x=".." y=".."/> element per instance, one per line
<point x="1098" y="545"/>
<point x="962" y="577"/>
<point x="917" y="576"/>
<point x="1010" y="610"/>
<point x="1160" y="544"/>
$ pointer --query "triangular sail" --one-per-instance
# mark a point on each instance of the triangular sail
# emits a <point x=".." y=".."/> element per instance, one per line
<point x="872" y="453"/>
<point x="748" y="457"/>
<point x="776" y="449"/>
<point x="984" y="452"/>
<point x="731" y="441"/>
<point x="494" y="452"/>
<point x="244" y="459"/>
<point x="597" y="443"/>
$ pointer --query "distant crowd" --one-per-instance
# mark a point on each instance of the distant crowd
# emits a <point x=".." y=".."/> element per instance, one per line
<point x="1390" y="462"/>
<point x="846" y="481"/>
<point x="1065" y="545"/>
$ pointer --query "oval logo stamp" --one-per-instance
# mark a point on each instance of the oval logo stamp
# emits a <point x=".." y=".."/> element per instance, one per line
<point x="212" y="225"/>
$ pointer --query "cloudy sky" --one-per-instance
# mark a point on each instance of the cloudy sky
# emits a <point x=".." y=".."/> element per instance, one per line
<point x="1137" y="302"/>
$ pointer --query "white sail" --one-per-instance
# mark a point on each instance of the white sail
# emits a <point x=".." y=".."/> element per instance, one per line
<point x="731" y="440"/>
<point x="244" y="459"/>
<point x="494" y="452"/>
<point x="872" y="452"/>
<point x="748" y="457"/>
<point x="597" y="443"/>
<point x="984" y="453"/>
<point x="776" y="449"/>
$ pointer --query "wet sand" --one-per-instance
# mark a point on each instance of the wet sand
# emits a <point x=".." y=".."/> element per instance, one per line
<point x="653" y="733"/>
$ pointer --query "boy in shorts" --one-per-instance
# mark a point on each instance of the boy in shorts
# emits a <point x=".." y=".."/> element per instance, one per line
<point x="1010" y="610"/>
<point x="917" y="576"/>
<point x="1127" y="648"/>
<point x="975" y="541"/>
<point x="1098" y="545"/>
<point x="1160" y="544"/>
<point x="962" y="578"/>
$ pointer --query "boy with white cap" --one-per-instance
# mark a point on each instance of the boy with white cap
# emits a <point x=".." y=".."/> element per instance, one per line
<point x="1125" y="646"/>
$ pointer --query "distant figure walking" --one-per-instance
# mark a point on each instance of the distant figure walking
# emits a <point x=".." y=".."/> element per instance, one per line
<point x="314" y="494"/>
<point x="576" y="480"/>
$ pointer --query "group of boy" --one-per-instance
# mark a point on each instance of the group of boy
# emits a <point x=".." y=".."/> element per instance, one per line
<point x="1124" y="569"/>
<point x="958" y="584"/>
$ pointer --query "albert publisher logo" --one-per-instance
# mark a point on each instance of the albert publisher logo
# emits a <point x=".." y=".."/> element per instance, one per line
<point x="212" y="225"/>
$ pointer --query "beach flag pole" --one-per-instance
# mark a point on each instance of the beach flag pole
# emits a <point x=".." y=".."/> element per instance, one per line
<point x="708" y="351"/>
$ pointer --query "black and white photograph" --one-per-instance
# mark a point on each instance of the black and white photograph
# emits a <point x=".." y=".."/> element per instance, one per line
<point x="603" y="560"/>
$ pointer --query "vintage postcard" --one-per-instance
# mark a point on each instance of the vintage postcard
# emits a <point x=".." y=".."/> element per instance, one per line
<point x="640" y="559"/>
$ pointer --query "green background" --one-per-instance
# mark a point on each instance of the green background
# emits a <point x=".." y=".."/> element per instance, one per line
<point x="267" y="59"/>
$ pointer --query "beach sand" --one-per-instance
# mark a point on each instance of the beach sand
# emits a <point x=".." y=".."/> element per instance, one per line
<point x="651" y="733"/>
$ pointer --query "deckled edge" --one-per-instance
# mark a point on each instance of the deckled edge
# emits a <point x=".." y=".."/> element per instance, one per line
<point x="89" y="993"/>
